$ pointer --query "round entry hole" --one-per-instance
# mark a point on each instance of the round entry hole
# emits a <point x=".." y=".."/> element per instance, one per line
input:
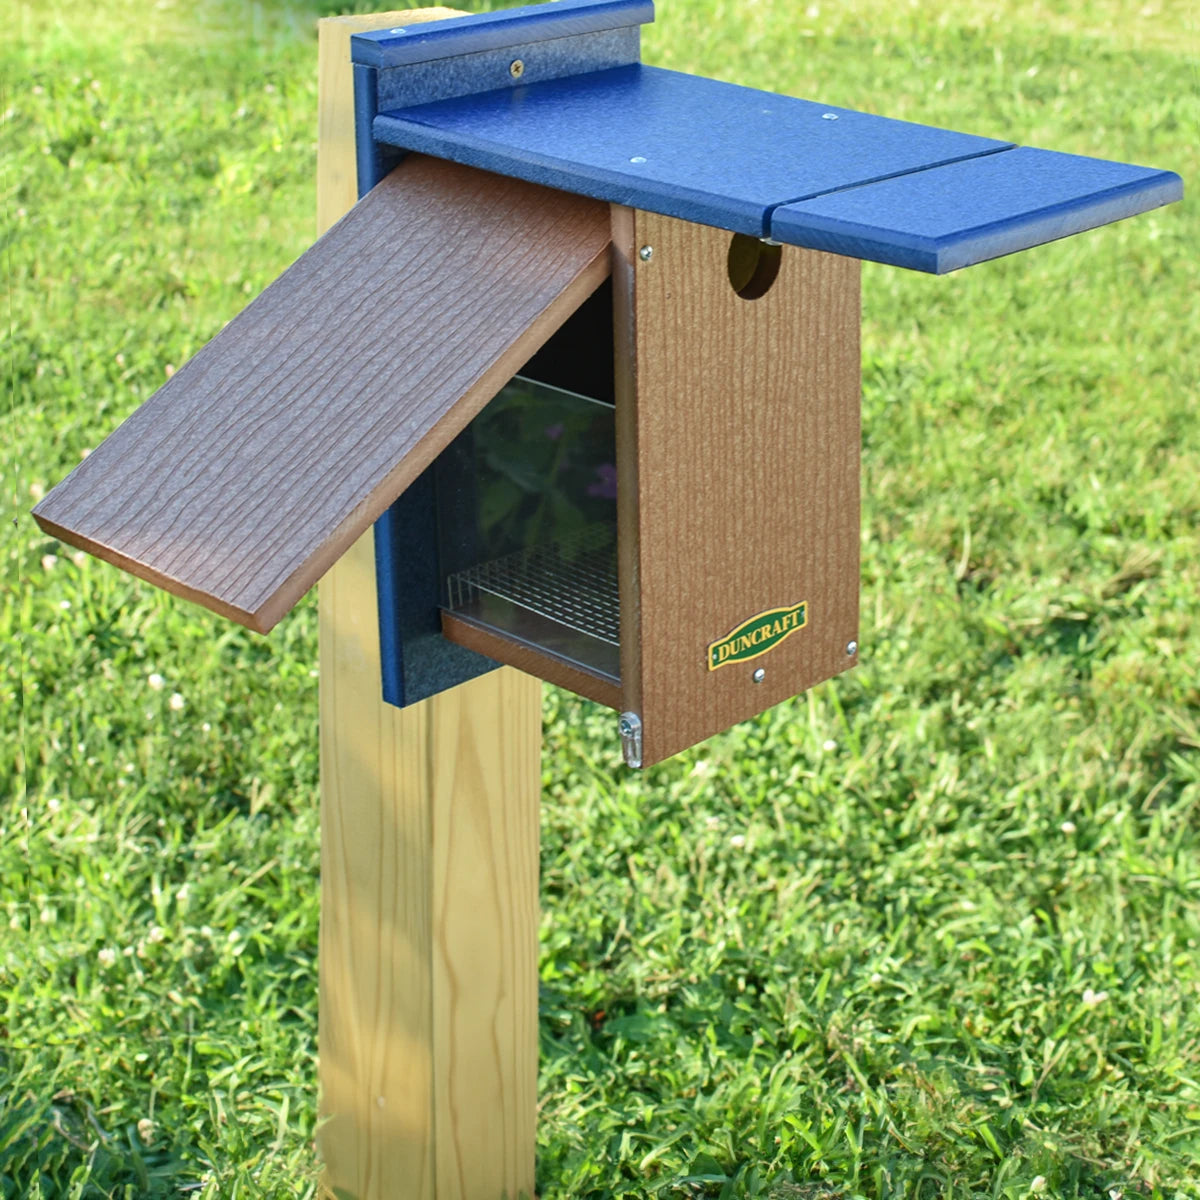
<point x="753" y="265"/>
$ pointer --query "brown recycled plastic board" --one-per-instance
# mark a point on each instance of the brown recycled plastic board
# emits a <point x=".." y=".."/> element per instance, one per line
<point x="738" y="485"/>
<point x="242" y="479"/>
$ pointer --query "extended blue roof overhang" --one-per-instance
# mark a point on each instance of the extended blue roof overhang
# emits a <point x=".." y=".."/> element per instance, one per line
<point x="582" y="114"/>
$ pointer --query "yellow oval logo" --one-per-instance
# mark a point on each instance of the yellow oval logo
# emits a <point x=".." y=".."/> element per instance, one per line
<point x="757" y="635"/>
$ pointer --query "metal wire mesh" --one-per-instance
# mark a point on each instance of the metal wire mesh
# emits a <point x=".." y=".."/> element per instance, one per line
<point x="572" y="581"/>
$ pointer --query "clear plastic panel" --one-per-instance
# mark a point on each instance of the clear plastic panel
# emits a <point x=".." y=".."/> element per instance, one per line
<point x="529" y="544"/>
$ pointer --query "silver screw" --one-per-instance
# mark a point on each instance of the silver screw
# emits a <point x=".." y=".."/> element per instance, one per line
<point x="829" y="116"/>
<point x="638" y="158"/>
<point x="646" y="253"/>
<point x="759" y="675"/>
<point x="516" y="69"/>
<point x="851" y="648"/>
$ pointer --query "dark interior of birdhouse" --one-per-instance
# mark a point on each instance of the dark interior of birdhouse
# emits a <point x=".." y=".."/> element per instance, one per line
<point x="527" y="512"/>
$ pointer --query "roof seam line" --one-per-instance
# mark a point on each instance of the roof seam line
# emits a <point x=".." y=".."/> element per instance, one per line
<point x="769" y="212"/>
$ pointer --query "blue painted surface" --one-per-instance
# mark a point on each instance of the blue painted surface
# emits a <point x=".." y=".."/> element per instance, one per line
<point x="678" y="144"/>
<point x="490" y="31"/>
<point x="803" y="173"/>
<point x="954" y="216"/>
<point x="416" y="662"/>
<point x="445" y="78"/>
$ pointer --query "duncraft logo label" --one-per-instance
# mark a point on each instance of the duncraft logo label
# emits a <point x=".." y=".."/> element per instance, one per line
<point x="757" y="635"/>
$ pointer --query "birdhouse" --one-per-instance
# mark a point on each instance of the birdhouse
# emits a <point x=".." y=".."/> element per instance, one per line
<point x="587" y="353"/>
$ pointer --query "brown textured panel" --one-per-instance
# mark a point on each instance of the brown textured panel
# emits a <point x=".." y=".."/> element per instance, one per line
<point x="532" y="660"/>
<point x="738" y="462"/>
<point x="243" y="478"/>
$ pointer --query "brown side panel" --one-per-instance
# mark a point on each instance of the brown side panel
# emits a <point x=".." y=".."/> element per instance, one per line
<point x="243" y="478"/>
<point x="739" y="439"/>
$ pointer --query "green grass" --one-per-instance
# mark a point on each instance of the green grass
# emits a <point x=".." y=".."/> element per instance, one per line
<point x="929" y="931"/>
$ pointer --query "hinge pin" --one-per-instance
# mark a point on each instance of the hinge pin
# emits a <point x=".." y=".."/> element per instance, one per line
<point x="629" y="726"/>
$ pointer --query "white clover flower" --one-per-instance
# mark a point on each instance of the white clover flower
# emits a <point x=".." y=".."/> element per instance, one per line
<point x="155" y="682"/>
<point x="738" y="841"/>
<point x="701" y="767"/>
<point x="107" y="957"/>
<point x="712" y="823"/>
<point x="145" y="1128"/>
<point x="1092" y="998"/>
<point x="54" y="804"/>
<point x="49" y="562"/>
<point x="1038" y="1184"/>
<point x="1068" y="827"/>
<point x="183" y="894"/>
<point x="176" y="702"/>
<point x="46" y="916"/>
<point x="157" y="933"/>
<point x="79" y="558"/>
<point x="829" y="745"/>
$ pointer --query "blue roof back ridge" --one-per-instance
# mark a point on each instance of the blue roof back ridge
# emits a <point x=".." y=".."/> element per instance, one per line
<point x="473" y="32"/>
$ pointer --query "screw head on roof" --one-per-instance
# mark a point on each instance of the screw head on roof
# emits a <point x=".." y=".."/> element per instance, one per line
<point x="646" y="253"/>
<point x="516" y="69"/>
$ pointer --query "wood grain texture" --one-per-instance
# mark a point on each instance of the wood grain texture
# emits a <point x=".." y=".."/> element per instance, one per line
<point x="485" y="756"/>
<point x="336" y="162"/>
<point x="738" y="460"/>
<point x="242" y="479"/>
<point x="399" y="1024"/>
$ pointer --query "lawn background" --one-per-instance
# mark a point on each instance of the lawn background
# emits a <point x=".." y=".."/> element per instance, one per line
<point x="930" y="930"/>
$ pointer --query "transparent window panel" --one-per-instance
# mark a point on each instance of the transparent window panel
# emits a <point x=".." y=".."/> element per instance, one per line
<point x="529" y="525"/>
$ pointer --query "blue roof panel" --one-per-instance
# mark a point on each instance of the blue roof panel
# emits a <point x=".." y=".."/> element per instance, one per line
<point x="953" y="216"/>
<point x="678" y="144"/>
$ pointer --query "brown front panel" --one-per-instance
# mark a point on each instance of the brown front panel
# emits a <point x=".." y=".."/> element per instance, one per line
<point x="738" y="462"/>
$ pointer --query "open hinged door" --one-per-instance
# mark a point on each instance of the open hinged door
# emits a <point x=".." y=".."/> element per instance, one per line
<point x="251" y="471"/>
<point x="738" y="462"/>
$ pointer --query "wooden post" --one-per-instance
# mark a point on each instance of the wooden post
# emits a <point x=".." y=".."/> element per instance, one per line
<point x="429" y="870"/>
